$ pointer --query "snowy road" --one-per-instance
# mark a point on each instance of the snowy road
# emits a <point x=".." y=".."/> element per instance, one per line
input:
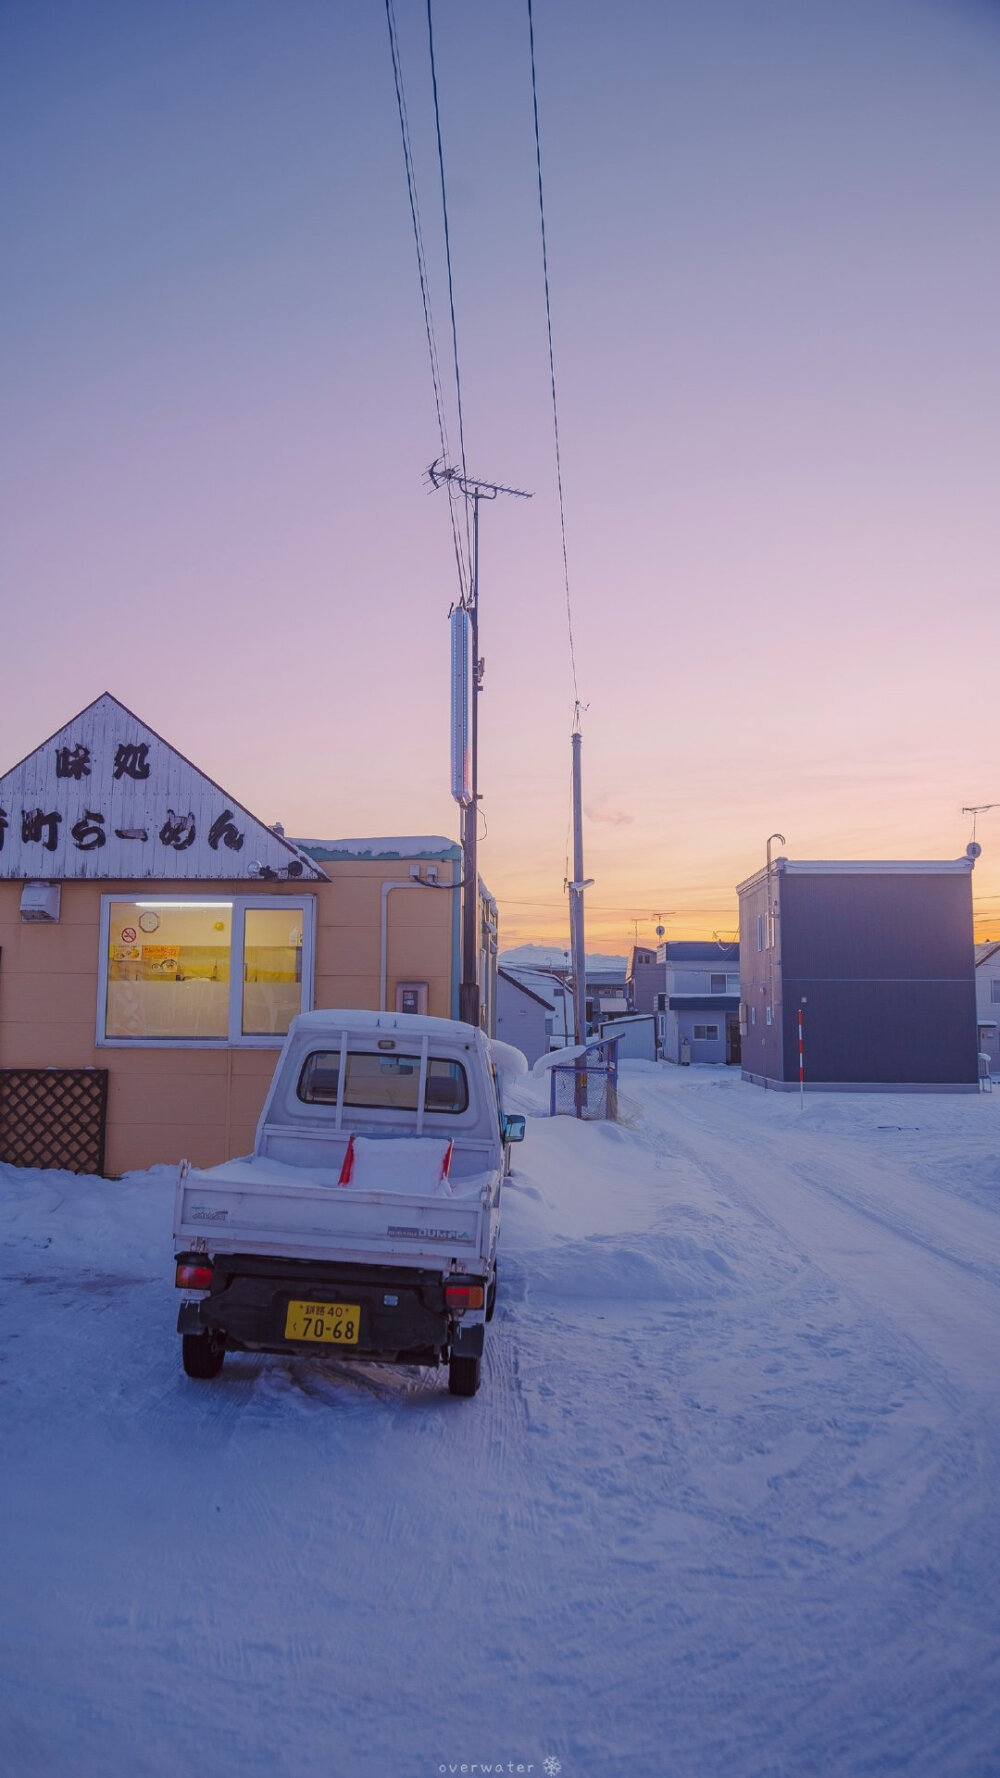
<point x="728" y="1503"/>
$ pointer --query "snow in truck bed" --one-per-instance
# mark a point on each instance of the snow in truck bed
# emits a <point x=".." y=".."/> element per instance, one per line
<point x="410" y="1166"/>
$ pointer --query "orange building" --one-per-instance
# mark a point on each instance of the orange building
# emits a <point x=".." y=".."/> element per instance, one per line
<point x="156" y="939"/>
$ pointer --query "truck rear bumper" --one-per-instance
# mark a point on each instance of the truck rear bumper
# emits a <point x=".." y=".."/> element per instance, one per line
<point x="402" y="1315"/>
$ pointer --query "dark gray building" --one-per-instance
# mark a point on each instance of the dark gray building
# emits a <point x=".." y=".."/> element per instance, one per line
<point x="880" y="959"/>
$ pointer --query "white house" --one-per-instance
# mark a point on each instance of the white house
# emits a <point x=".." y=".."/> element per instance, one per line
<point x="700" y="1006"/>
<point x="534" y="1010"/>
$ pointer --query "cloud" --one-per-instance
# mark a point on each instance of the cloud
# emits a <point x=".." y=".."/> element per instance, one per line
<point x="613" y="817"/>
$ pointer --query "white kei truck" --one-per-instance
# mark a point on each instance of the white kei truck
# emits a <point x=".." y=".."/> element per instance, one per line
<point x="364" y="1224"/>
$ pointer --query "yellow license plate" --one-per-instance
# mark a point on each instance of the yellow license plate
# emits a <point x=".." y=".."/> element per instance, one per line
<point x="334" y="1324"/>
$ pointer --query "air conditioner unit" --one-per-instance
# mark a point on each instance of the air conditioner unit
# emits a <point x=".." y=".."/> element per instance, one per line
<point x="40" y="903"/>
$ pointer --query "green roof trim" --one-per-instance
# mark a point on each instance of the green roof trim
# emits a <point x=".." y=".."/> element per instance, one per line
<point x="329" y="851"/>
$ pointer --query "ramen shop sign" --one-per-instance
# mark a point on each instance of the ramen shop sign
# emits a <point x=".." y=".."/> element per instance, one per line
<point x="106" y="797"/>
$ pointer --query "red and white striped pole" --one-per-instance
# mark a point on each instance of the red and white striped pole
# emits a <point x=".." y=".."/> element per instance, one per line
<point x="802" y="1065"/>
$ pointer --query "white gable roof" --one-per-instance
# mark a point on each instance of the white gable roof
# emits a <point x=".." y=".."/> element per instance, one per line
<point x="107" y="798"/>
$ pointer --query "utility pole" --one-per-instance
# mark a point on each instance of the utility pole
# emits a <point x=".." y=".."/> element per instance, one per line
<point x="472" y="489"/>
<point x="576" y="889"/>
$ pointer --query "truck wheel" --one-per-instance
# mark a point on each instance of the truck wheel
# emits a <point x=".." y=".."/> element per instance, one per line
<point x="463" y="1375"/>
<point x="491" y="1295"/>
<point x="202" y="1355"/>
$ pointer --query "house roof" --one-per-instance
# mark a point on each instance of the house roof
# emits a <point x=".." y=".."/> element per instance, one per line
<point x="428" y="845"/>
<point x="544" y="987"/>
<point x="985" y="951"/>
<point x="505" y="975"/>
<point x="865" y="867"/>
<point x="701" y="951"/>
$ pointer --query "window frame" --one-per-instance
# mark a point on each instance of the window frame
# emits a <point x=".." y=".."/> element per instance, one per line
<point x="709" y="1034"/>
<point x="423" y="1072"/>
<point x="239" y="905"/>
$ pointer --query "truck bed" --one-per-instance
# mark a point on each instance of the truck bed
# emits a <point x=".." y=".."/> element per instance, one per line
<point x="265" y="1207"/>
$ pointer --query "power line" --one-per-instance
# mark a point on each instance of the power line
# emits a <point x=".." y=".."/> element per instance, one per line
<point x="447" y="249"/>
<point x="552" y="362"/>
<point x="411" y="187"/>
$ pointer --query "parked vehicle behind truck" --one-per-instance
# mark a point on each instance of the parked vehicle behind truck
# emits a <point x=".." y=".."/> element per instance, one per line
<point x="365" y="1223"/>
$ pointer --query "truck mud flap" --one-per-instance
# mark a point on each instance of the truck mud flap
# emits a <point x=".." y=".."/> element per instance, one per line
<point x="189" y="1320"/>
<point x="468" y="1342"/>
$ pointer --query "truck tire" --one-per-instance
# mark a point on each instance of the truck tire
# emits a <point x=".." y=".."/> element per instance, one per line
<point x="202" y="1355"/>
<point x="463" y="1375"/>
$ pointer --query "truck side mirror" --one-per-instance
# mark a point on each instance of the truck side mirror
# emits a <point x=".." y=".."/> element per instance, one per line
<point x="513" y="1129"/>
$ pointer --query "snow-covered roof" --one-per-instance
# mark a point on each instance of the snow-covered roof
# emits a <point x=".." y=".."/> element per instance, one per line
<point x="353" y="1018"/>
<point x="866" y="867"/>
<point x="540" y="983"/>
<point x="427" y="845"/>
<point x="516" y="981"/>
<point x="701" y="950"/>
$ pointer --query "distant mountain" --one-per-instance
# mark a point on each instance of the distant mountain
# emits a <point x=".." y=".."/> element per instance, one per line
<point x="553" y="957"/>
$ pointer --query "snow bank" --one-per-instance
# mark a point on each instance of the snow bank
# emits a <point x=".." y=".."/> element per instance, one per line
<point x="610" y="1268"/>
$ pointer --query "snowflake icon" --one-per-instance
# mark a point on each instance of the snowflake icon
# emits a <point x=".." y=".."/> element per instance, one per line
<point x="551" y="1766"/>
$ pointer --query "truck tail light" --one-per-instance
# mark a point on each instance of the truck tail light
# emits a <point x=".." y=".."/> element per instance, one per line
<point x="191" y="1275"/>
<point x="463" y="1296"/>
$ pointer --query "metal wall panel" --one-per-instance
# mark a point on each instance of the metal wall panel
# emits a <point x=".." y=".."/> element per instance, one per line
<point x="896" y="926"/>
<point x="760" y="984"/>
<point x="921" y="1033"/>
<point x="885" y="964"/>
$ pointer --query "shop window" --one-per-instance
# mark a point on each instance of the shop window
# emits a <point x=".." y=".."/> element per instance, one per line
<point x="183" y="969"/>
<point x="706" y="1033"/>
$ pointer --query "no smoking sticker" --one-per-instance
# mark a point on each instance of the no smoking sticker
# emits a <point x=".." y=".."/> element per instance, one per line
<point x="128" y="935"/>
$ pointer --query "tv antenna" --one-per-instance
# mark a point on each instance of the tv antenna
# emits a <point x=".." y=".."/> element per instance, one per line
<point x="975" y="809"/>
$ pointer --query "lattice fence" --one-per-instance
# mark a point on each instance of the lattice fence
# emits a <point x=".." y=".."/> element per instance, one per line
<point x="588" y="1087"/>
<point x="54" y="1117"/>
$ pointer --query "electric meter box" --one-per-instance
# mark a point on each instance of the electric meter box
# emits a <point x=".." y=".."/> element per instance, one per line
<point x="40" y="903"/>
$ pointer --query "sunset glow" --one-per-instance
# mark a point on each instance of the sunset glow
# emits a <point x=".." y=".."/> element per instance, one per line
<point x="774" y="266"/>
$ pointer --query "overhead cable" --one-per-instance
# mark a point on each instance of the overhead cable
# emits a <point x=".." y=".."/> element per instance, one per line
<point x="447" y="249"/>
<point x="552" y="362"/>
<point x="411" y="187"/>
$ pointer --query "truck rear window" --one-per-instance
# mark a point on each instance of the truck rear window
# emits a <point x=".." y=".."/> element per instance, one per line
<point x="383" y="1082"/>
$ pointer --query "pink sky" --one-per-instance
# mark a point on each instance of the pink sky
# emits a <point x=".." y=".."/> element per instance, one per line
<point x="774" y="263"/>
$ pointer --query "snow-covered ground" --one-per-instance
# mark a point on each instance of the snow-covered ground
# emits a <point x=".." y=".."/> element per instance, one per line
<point x="728" y="1503"/>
